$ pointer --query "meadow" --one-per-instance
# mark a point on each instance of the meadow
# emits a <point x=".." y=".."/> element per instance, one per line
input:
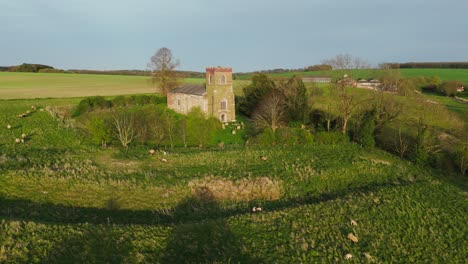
<point x="63" y="199"/>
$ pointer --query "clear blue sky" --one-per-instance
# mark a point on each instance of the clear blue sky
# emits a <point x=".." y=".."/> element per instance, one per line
<point x="244" y="34"/>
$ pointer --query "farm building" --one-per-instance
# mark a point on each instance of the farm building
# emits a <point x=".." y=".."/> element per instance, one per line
<point x="215" y="97"/>
<point x="316" y="79"/>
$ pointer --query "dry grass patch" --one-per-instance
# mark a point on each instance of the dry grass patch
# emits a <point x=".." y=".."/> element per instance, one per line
<point x="244" y="189"/>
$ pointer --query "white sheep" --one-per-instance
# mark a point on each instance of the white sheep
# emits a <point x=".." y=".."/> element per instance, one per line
<point x="24" y="136"/>
<point x="17" y="140"/>
<point x="348" y="256"/>
<point x="8" y="126"/>
<point x="164" y="160"/>
<point x="152" y="151"/>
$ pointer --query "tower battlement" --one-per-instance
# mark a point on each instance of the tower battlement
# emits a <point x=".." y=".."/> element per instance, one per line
<point x="212" y="70"/>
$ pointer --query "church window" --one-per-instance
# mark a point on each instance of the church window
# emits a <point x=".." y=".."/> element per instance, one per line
<point x="210" y="79"/>
<point x="223" y="79"/>
<point x="223" y="118"/>
<point x="223" y="104"/>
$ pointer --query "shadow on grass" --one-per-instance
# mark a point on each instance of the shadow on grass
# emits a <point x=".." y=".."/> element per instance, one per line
<point x="187" y="211"/>
<point x="200" y="232"/>
<point x="208" y="241"/>
<point x="97" y="244"/>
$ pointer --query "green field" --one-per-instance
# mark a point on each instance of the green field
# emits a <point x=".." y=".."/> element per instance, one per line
<point x="14" y="85"/>
<point x="445" y="74"/>
<point x="63" y="199"/>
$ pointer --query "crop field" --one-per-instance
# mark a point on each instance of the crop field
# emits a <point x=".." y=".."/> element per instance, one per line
<point x="63" y="199"/>
<point x="14" y="85"/>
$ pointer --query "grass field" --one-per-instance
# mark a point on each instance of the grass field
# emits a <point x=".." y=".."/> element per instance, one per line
<point x="445" y="74"/>
<point x="63" y="199"/>
<point x="15" y="85"/>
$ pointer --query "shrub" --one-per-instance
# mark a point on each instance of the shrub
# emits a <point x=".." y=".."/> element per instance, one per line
<point x="266" y="138"/>
<point x="90" y="103"/>
<point x="331" y="138"/>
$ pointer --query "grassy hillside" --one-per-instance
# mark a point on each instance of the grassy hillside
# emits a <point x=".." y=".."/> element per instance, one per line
<point x="65" y="200"/>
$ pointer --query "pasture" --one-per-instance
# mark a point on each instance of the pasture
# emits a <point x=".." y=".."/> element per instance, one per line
<point x="65" y="199"/>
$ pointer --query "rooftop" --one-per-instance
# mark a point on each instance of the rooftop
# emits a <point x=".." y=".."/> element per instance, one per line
<point x="195" y="89"/>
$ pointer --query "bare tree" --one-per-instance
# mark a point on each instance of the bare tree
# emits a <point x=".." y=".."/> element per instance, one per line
<point x="346" y="62"/>
<point x="124" y="127"/>
<point x="401" y="144"/>
<point x="163" y="65"/>
<point x="271" y="112"/>
<point x="347" y="104"/>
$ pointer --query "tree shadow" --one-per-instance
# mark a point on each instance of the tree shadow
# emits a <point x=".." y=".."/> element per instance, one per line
<point x="200" y="232"/>
<point x="97" y="244"/>
<point x="209" y="241"/>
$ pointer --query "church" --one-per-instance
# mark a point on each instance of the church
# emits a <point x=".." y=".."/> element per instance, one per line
<point x="215" y="98"/>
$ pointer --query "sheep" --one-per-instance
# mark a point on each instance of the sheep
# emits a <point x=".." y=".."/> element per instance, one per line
<point x="264" y="158"/>
<point x="353" y="238"/>
<point x="348" y="256"/>
<point x="23" y="136"/>
<point x="152" y="151"/>
<point x="233" y="132"/>
<point x="164" y="160"/>
<point x="8" y="126"/>
<point x="256" y="209"/>
<point x="17" y="141"/>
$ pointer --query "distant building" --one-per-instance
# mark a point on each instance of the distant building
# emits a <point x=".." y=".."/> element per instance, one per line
<point x="369" y="84"/>
<point x="316" y="79"/>
<point x="215" y="97"/>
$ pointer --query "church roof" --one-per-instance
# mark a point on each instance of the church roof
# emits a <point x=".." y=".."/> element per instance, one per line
<point x="195" y="89"/>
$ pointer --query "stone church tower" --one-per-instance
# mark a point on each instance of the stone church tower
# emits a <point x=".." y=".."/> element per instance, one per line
<point x="220" y="94"/>
<point x="215" y="98"/>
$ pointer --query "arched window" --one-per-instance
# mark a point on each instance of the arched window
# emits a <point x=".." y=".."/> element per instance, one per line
<point x="223" y="118"/>
<point x="223" y="105"/>
<point x="210" y="79"/>
<point x="223" y="79"/>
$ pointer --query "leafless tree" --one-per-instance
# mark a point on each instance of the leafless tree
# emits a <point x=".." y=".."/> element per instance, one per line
<point x="387" y="108"/>
<point x="271" y="112"/>
<point x="347" y="103"/>
<point x="163" y="65"/>
<point x="124" y="127"/>
<point x="401" y="144"/>
<point x="346" y="62"/>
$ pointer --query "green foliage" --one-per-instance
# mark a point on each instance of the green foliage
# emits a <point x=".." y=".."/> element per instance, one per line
<point x="200" y="130"/>
<point x="319" y="67"/>
<point x="90" y="103"/>
<point x="27" y="67"/>
<point x="331" y="138"/>
<point x="366" y="131"/>
<point x="296" y="99"/>
<point x="449" y="88"/>
<point x="285" y="136"/>
<point x="100" y="129"/>
<point x="261" y="85"/>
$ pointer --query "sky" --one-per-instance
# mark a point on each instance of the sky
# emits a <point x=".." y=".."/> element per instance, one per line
<point x="247" y="35"/>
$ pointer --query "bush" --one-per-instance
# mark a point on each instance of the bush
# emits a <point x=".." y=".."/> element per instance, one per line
<point x="284" y="136"/>
<point x="90" y="103"/>
<point x="331" y="138"/>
